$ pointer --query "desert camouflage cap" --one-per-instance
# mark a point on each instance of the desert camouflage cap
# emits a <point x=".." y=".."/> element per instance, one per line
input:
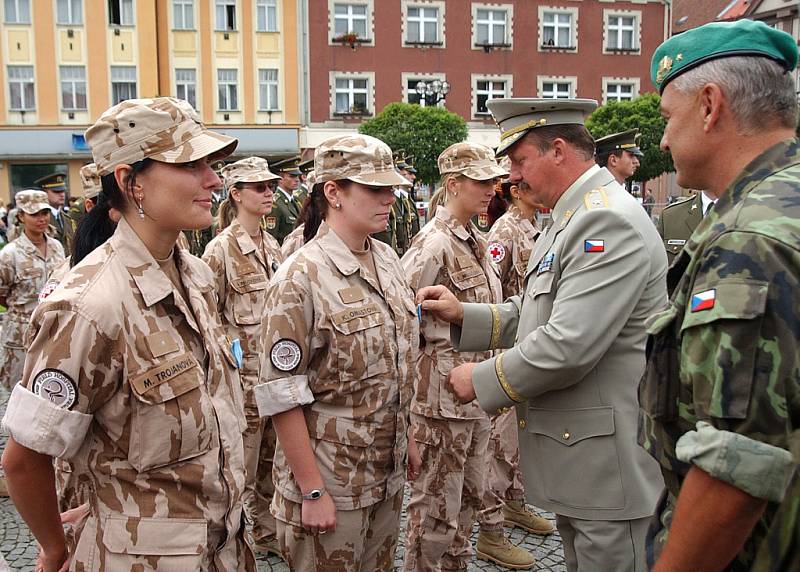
<point x="90" y="181"/>
<point x="311" y="179"/>
<point x="358" y="158"/>
<point x="32" y="201"/>
<point x="505" y="164"/>
<point x="472" y="160"/>
<point x="163" y="129"/>
<point x="250" y="170"/>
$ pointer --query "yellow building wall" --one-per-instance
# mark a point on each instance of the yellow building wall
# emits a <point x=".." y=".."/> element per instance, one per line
<point x="46" y="74"/>
<point x="5" y="183"/>
<point x="74" y="176"/>
<point x="97" y="73"/>
<point x="291" y="97"/>
<point x="249" y="102"/>
<point x="207" y="75"/>
<point x="147" y="42"/>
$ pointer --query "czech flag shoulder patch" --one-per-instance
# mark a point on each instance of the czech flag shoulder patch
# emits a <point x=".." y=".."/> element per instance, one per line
<point x="594" y="245"/>
<point x="704" y="300"/>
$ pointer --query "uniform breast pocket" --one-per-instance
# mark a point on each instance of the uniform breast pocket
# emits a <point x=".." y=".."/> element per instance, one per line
<point x="359" y="343"/>
<point x="541" y="291"/>
<point x="29" y="283"/>
<point x="247" y="298"/>
<point x="469" y="283"/>
<point x="172" y="417"/>
<point x="658" y="390"/>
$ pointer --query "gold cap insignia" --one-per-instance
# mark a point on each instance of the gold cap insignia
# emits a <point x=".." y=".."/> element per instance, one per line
<point x="664" y="67"/>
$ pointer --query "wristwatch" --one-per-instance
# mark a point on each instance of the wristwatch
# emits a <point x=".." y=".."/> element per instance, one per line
<point x="314" y="494"/>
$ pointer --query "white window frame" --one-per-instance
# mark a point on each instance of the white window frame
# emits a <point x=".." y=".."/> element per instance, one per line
<point x="636" y="36"/>
<point x="573" y="27"/>
<point x="439" y="6"/>
<point x="267" y="7"/>
<point x="180" y="6"/>
<point x="407" y="77"/>
<point x="505" y="41"/>
<point x="22" y="82"/>
<point x="231" y="89"/>
<point x="634" y="82"/>
<point x="186" y="84"/>
<point x="572" y="82"/>
<point x="73" y="18"/>
<point x="124" y="81"/>
<point x="73" y="84"/>
<point x="225" y="26"/>
<point x="265" y="85"/>
<point x="370" y="91"/>
<point x="130" y="20"/>
<point x="18" y="18"/>
<point x="507" y="92"/>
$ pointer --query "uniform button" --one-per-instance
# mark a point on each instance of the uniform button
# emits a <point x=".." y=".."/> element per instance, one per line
<point x="566" y="436"/>
<point x="522" y="424"/>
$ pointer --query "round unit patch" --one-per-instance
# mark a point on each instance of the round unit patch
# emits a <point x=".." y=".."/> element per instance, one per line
<point x="497" y="251"/>
<point x="286" y="355"/>
<point x="56" y="387"/>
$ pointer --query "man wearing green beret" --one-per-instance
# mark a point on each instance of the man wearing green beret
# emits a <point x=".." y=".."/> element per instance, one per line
<point x="721" y="392"/>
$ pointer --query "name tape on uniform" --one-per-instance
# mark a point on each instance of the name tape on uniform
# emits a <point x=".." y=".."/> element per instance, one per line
<point x="163" y="372"/>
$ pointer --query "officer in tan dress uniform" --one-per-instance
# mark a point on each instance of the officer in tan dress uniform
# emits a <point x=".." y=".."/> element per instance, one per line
<point x="129" y="374"/>
<point x="510" y="242"/>
<point x="576" y="337"/>
<point x="452" y="438"/>
<point x="25" y="266"/>
<point x="339" y="337"/>
<point x="243" y="257"/>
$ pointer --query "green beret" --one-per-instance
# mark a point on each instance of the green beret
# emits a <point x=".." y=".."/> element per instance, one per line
<point x="719" y="40"/>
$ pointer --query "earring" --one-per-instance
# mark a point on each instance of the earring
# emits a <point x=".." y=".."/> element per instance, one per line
<point x="455" y="194"/>
<point x="141" y="210"/>
<point x="337" y="206"/>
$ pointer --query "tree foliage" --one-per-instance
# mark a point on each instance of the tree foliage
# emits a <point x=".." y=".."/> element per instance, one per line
<point x="642" y="112"/>
<point x="423" y="132"/>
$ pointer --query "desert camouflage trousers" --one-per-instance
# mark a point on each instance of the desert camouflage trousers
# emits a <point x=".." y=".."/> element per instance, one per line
<point x="365" y="539"/>
<point x="259" y="452"/>
<point x="504" y="479"/>
<point x="447" y="494"/>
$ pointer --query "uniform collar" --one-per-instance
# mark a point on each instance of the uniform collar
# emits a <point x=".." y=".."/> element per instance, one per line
<point x="335" y="248"/>
<point x="151" y="281"/>
<point x="286" y="193"/>
<point x="24" y="243"/>
<point x="568" y="203"/>
<point x="453" y="224"/>
<point x="516" y="213"/>
<point x="246" y="244"/>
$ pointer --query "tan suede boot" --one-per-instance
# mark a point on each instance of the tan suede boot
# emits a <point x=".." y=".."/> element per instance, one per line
<point x="495" y="547"/>
<point x="518" y="514"/>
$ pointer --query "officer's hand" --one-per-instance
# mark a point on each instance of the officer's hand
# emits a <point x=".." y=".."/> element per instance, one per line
<point x="319" y="516"/>
<point x="442" y="303"/>
<point x="460" y="381"/>
<point x="414" y="459"/>
<point x="53" y="561"/>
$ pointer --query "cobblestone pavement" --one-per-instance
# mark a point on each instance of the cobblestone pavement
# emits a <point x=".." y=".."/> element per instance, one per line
<point x="19" y="549"/>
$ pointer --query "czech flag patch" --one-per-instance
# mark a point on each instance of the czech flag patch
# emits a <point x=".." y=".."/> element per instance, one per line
<point x="594" y="245"/>
<point x="704" y="300"/>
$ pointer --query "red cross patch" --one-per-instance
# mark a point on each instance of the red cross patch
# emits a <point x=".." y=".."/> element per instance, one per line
<point x="497" y="251"/>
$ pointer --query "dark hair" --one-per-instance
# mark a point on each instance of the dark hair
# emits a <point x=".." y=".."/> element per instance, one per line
<point x="315" y="209"/>
<point x="497" y="208"/>
<point x="602" y="159"/>
<point x="576" y="135"/>
<point x="96" y="227"/>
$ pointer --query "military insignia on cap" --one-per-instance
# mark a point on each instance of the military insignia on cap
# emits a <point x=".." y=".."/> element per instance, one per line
<point x="664" y="67"/>
<point x="497" y="251"/>
<point x="56" y="387"/>
<point x="271" y="222"/>
<point x="285" y="355"/>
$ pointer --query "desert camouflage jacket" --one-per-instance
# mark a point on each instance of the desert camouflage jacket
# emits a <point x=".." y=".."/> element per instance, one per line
<point x="511" y="241"/>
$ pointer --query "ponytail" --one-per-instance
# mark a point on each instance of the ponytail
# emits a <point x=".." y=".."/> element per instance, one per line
<point x="315" y="209"/>
<point x="96" y="227"/>
<point x="226" y="213"/>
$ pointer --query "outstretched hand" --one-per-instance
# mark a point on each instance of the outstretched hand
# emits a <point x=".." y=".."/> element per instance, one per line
<point x="442" y="303"/>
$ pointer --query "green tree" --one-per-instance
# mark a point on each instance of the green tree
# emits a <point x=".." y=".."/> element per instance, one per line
<point x="424" y="132"/>
<point x="643" y="113"/>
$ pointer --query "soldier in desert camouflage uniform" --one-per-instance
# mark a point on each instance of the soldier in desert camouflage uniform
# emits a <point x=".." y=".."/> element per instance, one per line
<point x="721" y="394"/>
<point x="25" y="266"/>
<point x="129" y="373"/>
<point x="453" y="439"/>
<point x="339" y="335"/>
<point x="510" y="243"/>
<point x="243" y="258"/>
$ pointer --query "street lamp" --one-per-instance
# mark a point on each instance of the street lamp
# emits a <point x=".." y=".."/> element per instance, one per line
<point x="433" y="92"/>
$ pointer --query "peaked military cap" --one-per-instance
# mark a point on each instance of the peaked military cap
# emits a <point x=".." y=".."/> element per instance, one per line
<point x="52" y="182"/>
<point x="290" y="166"/>
<point x="623" y="141"/>
<point x="716" y="40"/>
<point x="306" y="166"/>
<point x="516" y="116"/>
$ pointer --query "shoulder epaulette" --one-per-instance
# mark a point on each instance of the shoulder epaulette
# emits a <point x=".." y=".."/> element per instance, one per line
<point x="680" y="201"/>
<point x="596" y="199"/>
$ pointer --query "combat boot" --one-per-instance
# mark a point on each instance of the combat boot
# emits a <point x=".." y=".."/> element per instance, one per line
<point x="267" y="546"/>
<point x="495" y="547"/>
<point x="517" y="513"/>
